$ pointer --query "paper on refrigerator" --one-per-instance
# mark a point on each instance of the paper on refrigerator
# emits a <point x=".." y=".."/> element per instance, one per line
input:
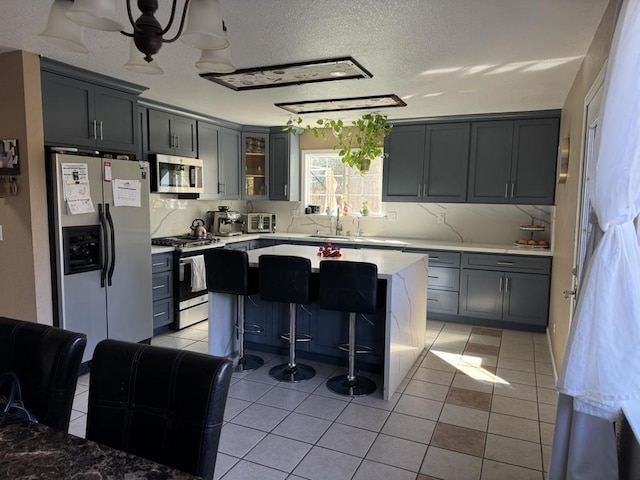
<point x="75" y="188"/>
<point x="126" y="193"/>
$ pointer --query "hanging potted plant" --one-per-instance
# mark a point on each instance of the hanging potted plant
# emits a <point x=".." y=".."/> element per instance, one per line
<point x="358" y="143"/>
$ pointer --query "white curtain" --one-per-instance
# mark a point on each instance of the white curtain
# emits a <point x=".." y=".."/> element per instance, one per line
<point x="601" y="368"/>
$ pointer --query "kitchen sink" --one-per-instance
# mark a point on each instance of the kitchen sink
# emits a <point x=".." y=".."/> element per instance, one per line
<point x="343" y="238"/>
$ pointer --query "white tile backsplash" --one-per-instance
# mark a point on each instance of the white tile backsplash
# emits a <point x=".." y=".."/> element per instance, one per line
<point x="474" y="223"/>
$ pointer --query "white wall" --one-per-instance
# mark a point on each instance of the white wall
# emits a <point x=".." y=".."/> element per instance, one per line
<point x="492" y="224"/>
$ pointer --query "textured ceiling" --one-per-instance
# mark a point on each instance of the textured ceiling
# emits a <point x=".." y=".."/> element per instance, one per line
<point x="442" y="57"/>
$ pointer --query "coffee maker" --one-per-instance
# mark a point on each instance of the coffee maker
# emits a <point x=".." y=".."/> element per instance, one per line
<point x="225" y="222"/>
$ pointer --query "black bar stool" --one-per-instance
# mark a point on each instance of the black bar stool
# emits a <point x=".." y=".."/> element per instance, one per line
<point x="228" y="272"/>
<point x="287" y="279"/>
<point x="349" y="287"/>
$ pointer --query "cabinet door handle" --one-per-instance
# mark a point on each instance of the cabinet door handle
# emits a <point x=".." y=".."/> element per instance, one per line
<point x="159" y="314"/>
<point x="419" y="189"/>
<point x="506" y="284"/>
<point x="500" y="285"/>
<point x="432" y="299"/>
<point x="95" y="130"/>
<point x="513" y="186"/>
<point x="159" y="264"/>
<point x="101" y="137"/>
<point x="177" y="141"/>
<point x="432" y="276"/>
<point x="506" y="190"/>
<point x="285" y="189"/>
<point x="158" y="287"/>
<point x="504" y="263"/>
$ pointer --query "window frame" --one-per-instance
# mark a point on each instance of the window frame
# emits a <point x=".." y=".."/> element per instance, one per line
<point x="305" y="181"/>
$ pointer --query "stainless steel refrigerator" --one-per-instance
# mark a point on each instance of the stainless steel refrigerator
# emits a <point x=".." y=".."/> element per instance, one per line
<point x="101" y="239"/>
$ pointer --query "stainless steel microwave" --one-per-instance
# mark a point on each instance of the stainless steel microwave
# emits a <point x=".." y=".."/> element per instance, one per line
<point x="170" y="174"/>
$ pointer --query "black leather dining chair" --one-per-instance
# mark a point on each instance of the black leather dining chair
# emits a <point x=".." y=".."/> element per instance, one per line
<point x="163" y="404"/>
<point x="46" y="360"/>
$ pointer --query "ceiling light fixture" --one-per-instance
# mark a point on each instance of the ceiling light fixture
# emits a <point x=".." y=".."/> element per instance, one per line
<point x="337" y="104"/>
<point x="290" y="74"/>
<point x="201" y="26"/>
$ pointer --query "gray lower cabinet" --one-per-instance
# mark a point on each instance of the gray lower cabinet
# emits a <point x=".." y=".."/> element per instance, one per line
<point x="284" y="167"/>
<point x="443" y="283"/>
<point x="505" y="288"/>
<point x="162" y="285"/>
<point x="83" y="114"/>
<point x="172" y="134"/>
<point x="427" y="163"/>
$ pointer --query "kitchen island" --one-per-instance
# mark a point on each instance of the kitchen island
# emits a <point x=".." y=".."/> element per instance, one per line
<point x="403" y="309"/>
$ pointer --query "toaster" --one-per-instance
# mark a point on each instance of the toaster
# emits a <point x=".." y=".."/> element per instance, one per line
<point x="258" y="222"/>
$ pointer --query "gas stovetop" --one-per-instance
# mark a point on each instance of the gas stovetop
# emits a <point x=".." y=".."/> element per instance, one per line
<point x="184" y="241"/>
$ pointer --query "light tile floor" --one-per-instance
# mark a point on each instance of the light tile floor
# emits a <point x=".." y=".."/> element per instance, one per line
<point x="478" y="404"/>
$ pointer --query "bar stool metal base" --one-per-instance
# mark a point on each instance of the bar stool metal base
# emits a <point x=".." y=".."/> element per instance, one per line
<point x="299" y="373"/>
<point x="352" y="388"/>
<point x="248" y="363"/>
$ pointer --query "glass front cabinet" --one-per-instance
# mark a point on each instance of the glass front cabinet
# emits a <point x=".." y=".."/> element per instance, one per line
<point x="255" y="165"/>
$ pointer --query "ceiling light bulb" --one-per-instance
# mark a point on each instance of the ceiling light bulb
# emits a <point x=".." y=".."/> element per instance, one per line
<point x="138" y="64"/>
<point x="338" y="73"/>
<point x="96" y="14"/>
<point x="216" y="61"/>
<point x="61" y="31"/>
<point x="204" y="28"/>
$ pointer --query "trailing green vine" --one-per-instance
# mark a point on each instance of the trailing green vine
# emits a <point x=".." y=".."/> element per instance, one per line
<point x="358" y="143"/>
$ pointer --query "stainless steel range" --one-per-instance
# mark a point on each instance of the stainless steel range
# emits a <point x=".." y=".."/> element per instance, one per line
<point x="190" y="303"/>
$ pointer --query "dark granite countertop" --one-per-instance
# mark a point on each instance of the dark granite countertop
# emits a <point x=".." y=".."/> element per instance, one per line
<point x="32" y="451"/>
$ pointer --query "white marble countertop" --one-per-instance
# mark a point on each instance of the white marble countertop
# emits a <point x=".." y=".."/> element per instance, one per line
<point x="161" y="249"/>
<point x="389" y="262"/>
<point x="382" y="242"/>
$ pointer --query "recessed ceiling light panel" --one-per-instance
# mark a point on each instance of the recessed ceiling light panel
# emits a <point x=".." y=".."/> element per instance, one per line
<point x="336" y="104"/>
<point x="291" y="74"/>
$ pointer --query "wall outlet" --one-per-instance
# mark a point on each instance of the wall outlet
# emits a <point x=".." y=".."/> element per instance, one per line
<point x="392" y="216"/>
<point x="440" y="218"/>
<point x="0" y="232"/>
<point x="554" y="328"/>
<point x="295" y="212"/>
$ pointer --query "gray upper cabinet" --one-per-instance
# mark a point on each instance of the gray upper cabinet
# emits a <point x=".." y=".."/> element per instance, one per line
<point x="513" y="161"/>
<point x="535" y="149"/>
<point x="83" y="114"/>
<point x="208" y="145"/>
<point x="490" y="162"/>
<point x="172" y="134"/>
<point x="284" y="167"/>
<point x="427" y="163"/>
<point x="403" y="167"/>
<point x="446" y="163"/>
<point x="229" y="164"/>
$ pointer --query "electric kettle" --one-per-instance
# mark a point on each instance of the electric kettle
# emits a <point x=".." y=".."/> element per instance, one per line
<point x="197" y="228"/>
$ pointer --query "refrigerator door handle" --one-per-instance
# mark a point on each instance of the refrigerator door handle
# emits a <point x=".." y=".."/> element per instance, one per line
<point x="105" y="241"/>
<point x="113" y="244"/>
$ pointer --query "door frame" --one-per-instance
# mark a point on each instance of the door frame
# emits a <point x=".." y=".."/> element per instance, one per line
<point x="594" y="93"/>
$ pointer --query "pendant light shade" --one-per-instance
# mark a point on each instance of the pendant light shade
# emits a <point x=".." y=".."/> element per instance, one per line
<point x="138" y="64"/>
<point x="216" y="61"/>
<point x="62" y="32"/>
<point x="204" y="26"/>
<point x="96" y="14"/>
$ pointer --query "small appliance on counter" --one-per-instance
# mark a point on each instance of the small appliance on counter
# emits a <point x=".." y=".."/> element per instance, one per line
<point x="258" y="222"/>
<point x="225" y="222"/>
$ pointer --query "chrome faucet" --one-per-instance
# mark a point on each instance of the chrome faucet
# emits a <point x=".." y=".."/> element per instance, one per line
<point x="338" y="224"/>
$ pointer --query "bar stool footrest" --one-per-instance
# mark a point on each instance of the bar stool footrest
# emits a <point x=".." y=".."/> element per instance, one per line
<point x="359" y="348"/>
<point x="253" y="328"/>
<point x="299" y="373"/>
<point x="300" y="337"/>
<point x="358" y="387"/>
